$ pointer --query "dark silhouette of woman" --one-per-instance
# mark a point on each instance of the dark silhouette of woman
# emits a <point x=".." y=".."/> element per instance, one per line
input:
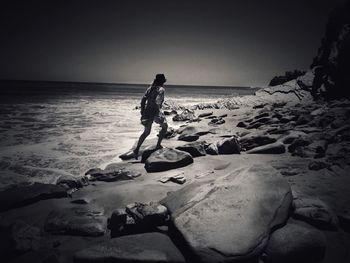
<point x="151" y="104"/>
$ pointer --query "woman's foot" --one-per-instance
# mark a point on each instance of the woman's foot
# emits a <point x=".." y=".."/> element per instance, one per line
<point x="159" y="147"/>
<point x="136" y="154"/>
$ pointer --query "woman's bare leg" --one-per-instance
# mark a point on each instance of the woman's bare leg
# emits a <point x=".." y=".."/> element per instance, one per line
<point x="142" y="138"/>
<point x="161" y="134"/>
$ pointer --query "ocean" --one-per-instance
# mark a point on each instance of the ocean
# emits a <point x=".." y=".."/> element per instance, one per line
<point x="51" y="130"/>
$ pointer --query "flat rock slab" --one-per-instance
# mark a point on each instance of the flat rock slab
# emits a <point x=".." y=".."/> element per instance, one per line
<point x="179" y="178"/>
<point x="230" y="218"/>
<point x="25" y="195"/>
<point x="273" y="148"/>
<point x="188" y="137"/>
<point x="192" y="130"/>
<point x="250" y="142"/>
<point x="315" y="212"/>
<point x="113" y="172"/>
<point x="167" y="159"/>
<point x="71" y="181"/>
<point x="296" y="243"/>
<point x="205" y="114"/>
<point x="291" y="136"/>
<point x="187" y="130"/>
<point x="149" y="247"/>
<point x="81" y="221"/>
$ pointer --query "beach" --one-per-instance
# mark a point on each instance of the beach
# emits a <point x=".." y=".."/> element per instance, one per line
<point x="286" y="144"/>
<point x="245" y="109"/>
<point x="52" y="131"/>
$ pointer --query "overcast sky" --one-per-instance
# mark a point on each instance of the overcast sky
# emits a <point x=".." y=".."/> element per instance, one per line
<point x="217" y="42"/>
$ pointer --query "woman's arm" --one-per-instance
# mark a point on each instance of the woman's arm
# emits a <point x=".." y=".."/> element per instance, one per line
<point x="143" y="101"/>
<point x="160" y="98"/>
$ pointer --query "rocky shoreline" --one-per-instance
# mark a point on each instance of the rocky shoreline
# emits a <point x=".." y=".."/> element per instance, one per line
<point x="260" y="178"/>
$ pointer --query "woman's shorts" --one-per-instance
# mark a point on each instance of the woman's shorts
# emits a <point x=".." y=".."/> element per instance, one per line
<point x="159" y="119"/>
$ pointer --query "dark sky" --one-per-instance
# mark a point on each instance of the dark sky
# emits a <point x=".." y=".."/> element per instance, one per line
<point x="217" y="42"/>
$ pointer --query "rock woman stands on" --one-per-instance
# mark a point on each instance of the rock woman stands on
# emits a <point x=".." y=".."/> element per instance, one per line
<point x="151" y="105"/>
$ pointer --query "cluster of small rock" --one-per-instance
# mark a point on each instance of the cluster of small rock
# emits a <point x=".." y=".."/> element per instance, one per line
<point x="318" y="131"/>
<point x="219" y="219"/>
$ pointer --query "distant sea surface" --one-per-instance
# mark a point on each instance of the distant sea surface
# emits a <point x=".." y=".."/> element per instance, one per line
<point x="51" y="130"/>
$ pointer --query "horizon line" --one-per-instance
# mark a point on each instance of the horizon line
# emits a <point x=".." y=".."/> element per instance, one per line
<point x="121" y="83"/>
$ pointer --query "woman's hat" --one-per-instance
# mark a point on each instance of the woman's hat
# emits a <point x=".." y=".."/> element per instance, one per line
<point x="160" y="78"/>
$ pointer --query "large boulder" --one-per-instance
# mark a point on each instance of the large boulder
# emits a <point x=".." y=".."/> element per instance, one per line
<point x="229" y="146"/>
<point x="230" y="218"/>
<point x="25" y="195"/>
<point x="147" y="153"/>
<point x="167" y="159"/>
<point x="81" y="221"/>
<point x="137" y="217"/>
<point x="272" y="148"/>
<point x="152" y="214"/>
<point x="296" y="243"/>
<point x="148" y="247"/>
<point x="117" y="223"/>
<point x="146" y="145"/>
<point x="195" y="149"/>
